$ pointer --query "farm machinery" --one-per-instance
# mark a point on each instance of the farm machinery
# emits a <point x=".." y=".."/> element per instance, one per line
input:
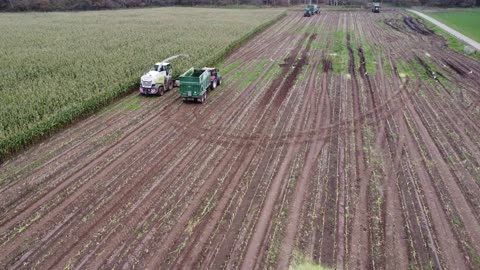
<point x="195" y="83"/>
<point x="311" y="10"/>
<point x="160" y="78"/>
<point x="375" y="7"/>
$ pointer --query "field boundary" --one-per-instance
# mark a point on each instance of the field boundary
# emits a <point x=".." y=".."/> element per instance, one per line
<point x="43" y="129"/>
<point x="448" y="29"/>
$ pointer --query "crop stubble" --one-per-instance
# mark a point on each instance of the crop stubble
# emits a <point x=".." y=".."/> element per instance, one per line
<point x="350" y="169"/>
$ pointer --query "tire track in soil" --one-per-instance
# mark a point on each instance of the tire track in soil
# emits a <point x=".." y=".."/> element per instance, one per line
<point x="446" y="146"/>
<point x="419" y="181"/>
<point x="312" y="153"/>
<point x="375" y="193"/>
<point x="448" y="176"/>
<point x="254" y="245"/>
<point x="395" y="245"/>
<point x="359" y="242"/>
<point x="246" y="200"/>
<point x="416" y="106"/>
<point x="244" y="206"/>
<point x="180" y="226"/>
<point x="264" y="114"/>
<point x="194" y="252"/>
<point x="324" y="240"/>
<point x="250" y="143"/>
<point x="414" y="225"/>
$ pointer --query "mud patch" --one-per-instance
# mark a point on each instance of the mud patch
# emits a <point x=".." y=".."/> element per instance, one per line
<point x="455" y="68"/>
<point x="428" y="70"/>
<point x="283" y="85"/>
<point x="286" y="65"/>
<point x="327" y="65"/>
<point x="291" y="78"/>
<point x="393" y="24"/>
<point x="417" y="26"/>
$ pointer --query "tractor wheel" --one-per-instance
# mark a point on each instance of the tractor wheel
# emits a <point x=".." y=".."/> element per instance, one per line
<point x="214" y="84"/>
<point x="220" y="81"/>
<point x="170" y="85"/>
<point x="161" y="91"/>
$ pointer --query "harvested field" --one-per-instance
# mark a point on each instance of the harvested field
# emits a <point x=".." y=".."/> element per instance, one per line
<point x="348" y="139"/>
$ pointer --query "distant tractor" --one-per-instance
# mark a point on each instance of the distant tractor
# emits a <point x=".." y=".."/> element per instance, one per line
<point x="195" y="83"/>
<point x="311" y="10"/>
<point x="158" y="80"/>
<point x="376" y="7"/>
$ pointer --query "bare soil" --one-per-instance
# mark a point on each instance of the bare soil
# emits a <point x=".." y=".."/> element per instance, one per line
<point x="351" y="169"/>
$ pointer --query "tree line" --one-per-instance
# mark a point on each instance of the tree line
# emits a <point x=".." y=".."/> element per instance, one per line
<point x="53" y="5"/>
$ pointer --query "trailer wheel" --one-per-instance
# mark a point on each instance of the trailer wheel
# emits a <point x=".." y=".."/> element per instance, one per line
<point x="203" y="98"/>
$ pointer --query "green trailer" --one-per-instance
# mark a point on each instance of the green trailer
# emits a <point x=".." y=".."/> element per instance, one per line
<point x="194" y="84"/>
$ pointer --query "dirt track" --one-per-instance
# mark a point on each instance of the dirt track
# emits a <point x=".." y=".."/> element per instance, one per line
<point x="355" y="171"/>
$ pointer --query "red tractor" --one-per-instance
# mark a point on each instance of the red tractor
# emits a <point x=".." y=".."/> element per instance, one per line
<point x="215" y="78"/>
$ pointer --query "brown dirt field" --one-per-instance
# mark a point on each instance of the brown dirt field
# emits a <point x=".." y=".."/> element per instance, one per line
<point x="363" y="157"/>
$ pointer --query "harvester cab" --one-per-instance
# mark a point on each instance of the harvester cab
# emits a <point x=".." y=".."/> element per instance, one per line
<point x="376" y="7"/>
<point x="160" y="67"/>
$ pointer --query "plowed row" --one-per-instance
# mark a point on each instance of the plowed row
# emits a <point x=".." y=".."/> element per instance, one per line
<point x="288" y="161"/>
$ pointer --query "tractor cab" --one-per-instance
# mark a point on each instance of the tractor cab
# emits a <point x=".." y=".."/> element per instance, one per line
<point x="160" y="67"/>
<point x="307" y="13"/>
<point x="376" y="7"/>
<point x="310" y="10"/>
<point x="213" y="71"/>
<point x="215" y="78"/>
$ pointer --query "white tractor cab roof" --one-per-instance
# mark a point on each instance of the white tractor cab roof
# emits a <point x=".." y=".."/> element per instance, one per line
<point x="159" y="66"/>
<point x="209" y="68"/>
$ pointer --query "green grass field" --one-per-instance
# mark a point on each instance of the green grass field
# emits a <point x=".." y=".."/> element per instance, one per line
<point x="464" y="20"/>
<point x="56" y="67"/>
